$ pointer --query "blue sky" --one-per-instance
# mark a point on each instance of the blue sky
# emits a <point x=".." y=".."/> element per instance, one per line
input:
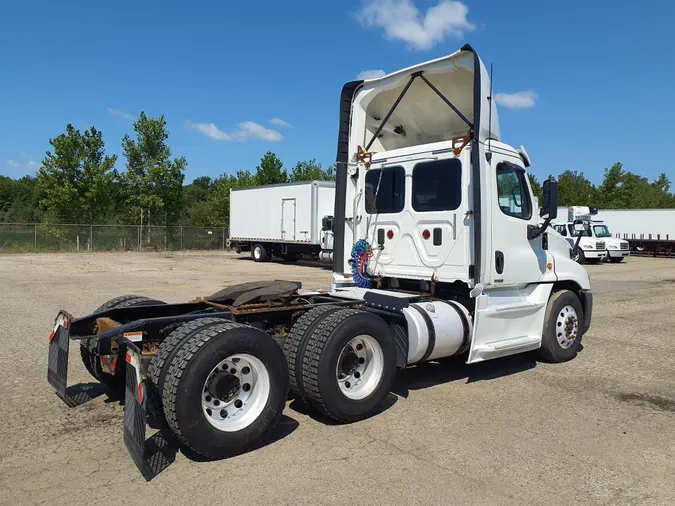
<point x="587" y="83"/>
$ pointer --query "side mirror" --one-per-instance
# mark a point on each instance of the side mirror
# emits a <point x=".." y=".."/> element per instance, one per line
<point x="549" y="207"/>
<point x="593" y="211"/>
<point x="581" y="225"/>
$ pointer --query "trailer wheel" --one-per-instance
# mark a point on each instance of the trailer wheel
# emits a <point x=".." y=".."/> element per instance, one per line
<point x="349" y="365"/>
<point x="562" y="327"/>
<point x="225" y="389"/>
<point x="296" y="342"/>
<point x="259" y="253"/>
<point x="88" y="347"/>
<point x="160" y="363"/>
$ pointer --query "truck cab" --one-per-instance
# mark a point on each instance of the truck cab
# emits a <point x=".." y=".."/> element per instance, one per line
<point x="430" y="200"/>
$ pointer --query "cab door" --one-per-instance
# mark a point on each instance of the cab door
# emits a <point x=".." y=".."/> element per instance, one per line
<point x="516" y="259"/>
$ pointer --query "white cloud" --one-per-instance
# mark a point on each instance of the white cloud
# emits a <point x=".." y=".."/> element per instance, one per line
<point x="280" y="122"/>
<point x="400" y="19"/>
<point x="121" y="114"/>
<point x="518" y="100"/>
<point x="371" y="74"/>
<point x="28" y="165"/>
<point x="244" y="132"/>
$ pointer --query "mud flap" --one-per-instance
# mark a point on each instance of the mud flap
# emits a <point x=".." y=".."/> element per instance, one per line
<point x="134" y="412"/>
<point x="57" y="363"/>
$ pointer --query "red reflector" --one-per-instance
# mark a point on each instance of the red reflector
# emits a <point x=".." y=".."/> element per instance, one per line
<point x="51" y="335"/>
<point x="390" y="234"/>
<point x="140" y="392"/>
<point x="426" y="234"/>
<point x="128" y="358"/>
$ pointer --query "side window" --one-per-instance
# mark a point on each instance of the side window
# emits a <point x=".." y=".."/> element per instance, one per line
<point x="561" y="230"/>
<point x="512" y="192"/>
<point x="437" y="186"/>
<point x="389" y="197"/>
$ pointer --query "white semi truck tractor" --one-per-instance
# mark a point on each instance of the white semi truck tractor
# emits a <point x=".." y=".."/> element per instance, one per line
<point x="438" y="252"/>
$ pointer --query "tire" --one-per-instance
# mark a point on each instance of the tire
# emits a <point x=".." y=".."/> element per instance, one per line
<point x="616" y="260"/>
<point x="325" y="350"/>
<point x="160" y="363"/>
<point x="561" y="305"/>
<point x="579" y="258"/>
<point x="186" y="390"/>
<point x="88" y="347"/>
<point x="295" y="344"/>
<point x="259" y="253"/>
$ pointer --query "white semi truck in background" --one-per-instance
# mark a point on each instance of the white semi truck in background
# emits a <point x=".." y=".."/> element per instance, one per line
<point x="283" y="220"/>
<point x="438" y="251"/>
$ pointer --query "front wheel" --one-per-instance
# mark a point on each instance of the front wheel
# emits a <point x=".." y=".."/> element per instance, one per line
<point x="225" y="390"/>
<point x="562" y="327"/>
<point x="579" y="257"/>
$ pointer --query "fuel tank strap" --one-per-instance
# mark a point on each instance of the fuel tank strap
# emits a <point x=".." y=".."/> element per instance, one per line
<point x="465" y="323"/>
<point x="430" y="328"/>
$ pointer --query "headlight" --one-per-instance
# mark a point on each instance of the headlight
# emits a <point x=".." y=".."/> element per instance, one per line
<point x="611" y="246"/>
<point x="587" y="246"/>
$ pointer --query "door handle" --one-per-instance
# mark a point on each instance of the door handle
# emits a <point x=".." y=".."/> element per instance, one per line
<point x="499" y="262"/>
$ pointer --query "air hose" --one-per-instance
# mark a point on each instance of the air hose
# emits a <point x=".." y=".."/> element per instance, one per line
<point x="361" y="252"/>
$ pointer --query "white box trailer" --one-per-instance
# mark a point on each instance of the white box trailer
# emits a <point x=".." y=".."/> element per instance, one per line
<point x="283" y="220"/>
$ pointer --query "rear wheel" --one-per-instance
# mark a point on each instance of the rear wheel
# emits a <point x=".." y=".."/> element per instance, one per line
<point x="160" y="363"/>
<point x="259" y="253"/>
<point x="349" y="365"/>
<point x="225" y="390"/>
<point x="89" y="347"/>
<point x="562" y="327"/>
<point x="296" y="342"/>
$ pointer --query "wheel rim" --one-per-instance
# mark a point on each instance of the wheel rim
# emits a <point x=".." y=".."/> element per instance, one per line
<point x="257" y="252"/>
<point x="360" y="366"/>
<point x="576" y="257"/>
<point x="235" y="392"/>
<point x="567" y="326"/>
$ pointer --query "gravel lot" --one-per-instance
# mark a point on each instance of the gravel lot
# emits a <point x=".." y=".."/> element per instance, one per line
<point x="597" y="430"/>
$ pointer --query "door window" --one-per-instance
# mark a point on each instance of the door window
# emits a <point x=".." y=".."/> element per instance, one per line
<point x="437" y="186"/>
<point x="561" y="230"/>
<point x="385" y="194"/>
<point x="512" y="191"/>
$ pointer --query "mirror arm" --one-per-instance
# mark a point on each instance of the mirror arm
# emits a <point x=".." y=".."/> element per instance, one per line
<point x="535" y="231"/>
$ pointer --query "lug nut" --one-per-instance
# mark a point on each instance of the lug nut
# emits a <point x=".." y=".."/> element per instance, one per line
<point x="238" y="403"/>
<point x="246" y="370"/>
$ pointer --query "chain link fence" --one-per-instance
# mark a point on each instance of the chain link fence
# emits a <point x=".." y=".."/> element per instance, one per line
<point x="18" y="238"/>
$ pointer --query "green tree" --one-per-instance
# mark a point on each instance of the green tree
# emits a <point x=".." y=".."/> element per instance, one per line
<point x="270" y="170"/>
<point x="154" y="182"/>
<point x="75" y="180"/>
<point x="19" y="201"/>
<point x="574" y="189"/>
<point x="536" y="186"/>
<point x="312" y="170"/>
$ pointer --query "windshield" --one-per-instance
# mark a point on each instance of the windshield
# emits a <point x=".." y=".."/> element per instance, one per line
<point x="601" y="231"/>
<point x="574" y="233"/>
